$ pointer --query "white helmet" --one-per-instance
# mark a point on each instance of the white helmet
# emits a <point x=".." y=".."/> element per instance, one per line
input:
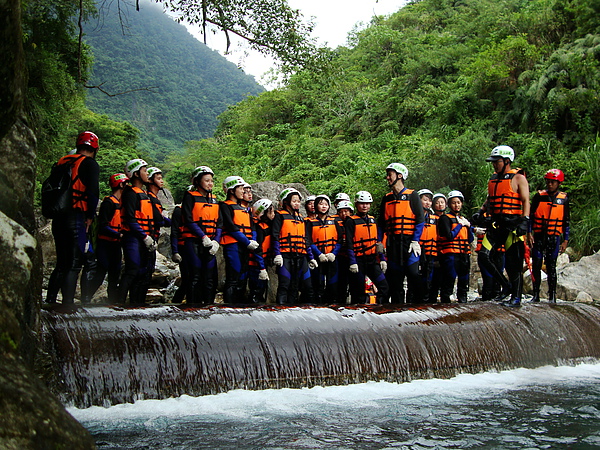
<point x="133" y="166"/>
<point x="311" y="198"/>
<point x="363" y="197"/>
<point x="438" y="195"/>
<point x="153" y="171"/>
<point x="341" y="196"/>
<point x="201" y="170"/>
<point x="345" y="204"/>
<point x="260" y="206"/>
<point x="425" y="192"/>
<point x="287" y="192"/>
<point x="320" y="197"/>
<point x="458" y="194"/>
<point x="399" y="169"/>
<point x="501" y="152"/>
<point x="232" y="182"/>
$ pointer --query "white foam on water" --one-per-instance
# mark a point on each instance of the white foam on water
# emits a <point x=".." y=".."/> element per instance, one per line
<point x="242" y="404"/>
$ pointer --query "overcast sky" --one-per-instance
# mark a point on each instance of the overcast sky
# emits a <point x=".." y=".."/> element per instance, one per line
<point x="334" y="19"/>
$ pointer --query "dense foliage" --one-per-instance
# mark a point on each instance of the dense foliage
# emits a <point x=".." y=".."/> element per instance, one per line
<point x="435" y="86"/>
<point x="184" y="84"/>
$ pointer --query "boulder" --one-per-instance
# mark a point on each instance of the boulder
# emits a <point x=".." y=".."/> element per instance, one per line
<point x="580" y="276"/>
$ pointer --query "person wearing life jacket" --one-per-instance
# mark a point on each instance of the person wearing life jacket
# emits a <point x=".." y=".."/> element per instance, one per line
<point x="345" y="209"/>
<point x="238" y="240"/>
<point x="324" y="232"/>
<point x="438" y="206"/>
<point x="292" y="253"/>
<point x="247" y="197"/>
<point x="401" y="219"/>
<point x="108" y="252"/>
<point x="549" y="234"/>
<point x="428" y="244"/>
<point x="137" y="224"/>
<point x="508" y="207"/>
<point x="70" y="230"/>
<point x="310" y="207"/>
<point x="490" y="287"/>
<point x="454" y="246"/>
<point x="201" y="233"/>
<point x="177" y="248"/>
<point x="263" y="214"/>
<point x="364" y="252"/>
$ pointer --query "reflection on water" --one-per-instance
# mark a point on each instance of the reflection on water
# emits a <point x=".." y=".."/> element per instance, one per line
<point x="549" y="407"/>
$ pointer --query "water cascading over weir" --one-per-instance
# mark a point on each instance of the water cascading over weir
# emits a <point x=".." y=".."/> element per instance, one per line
<point x="103" y="355"/>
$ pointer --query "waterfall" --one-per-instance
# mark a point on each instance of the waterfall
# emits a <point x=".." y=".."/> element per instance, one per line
<point x="103" y="355"/>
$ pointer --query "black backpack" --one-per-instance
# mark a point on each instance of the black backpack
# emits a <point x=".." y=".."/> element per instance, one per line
<point x="56" y="190"/>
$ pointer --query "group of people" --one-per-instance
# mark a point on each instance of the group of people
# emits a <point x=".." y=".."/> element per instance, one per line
<point x="420" y="237"/>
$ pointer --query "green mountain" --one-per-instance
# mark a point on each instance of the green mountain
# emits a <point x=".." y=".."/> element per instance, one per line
<point x="175" y="86"/>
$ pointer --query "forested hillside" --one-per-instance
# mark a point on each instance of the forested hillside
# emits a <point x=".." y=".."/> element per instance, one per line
<point x="189" y="84"/>
<point x="435" y="86"/>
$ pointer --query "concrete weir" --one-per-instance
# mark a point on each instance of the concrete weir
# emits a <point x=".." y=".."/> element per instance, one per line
<point x="107" y="355"/>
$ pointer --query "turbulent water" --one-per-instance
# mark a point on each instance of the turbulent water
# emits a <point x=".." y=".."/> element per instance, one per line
<point x="548" y="407"/>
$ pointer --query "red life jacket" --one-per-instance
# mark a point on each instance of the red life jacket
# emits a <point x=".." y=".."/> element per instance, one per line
<point x="115" y="222"/>
<point x="365" y="235"/>
<point x="502" y="199"/>
<point x="205" y="213"/>
<point x="78" y="189"/>
<point x="460" y="244"/>
<point x="399" y="216"/>
<point x="549" y="216"/>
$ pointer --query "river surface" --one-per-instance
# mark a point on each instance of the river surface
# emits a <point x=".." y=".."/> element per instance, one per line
<point x="548" y="407"/>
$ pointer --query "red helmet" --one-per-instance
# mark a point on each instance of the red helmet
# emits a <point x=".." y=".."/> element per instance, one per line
<point x="555" y="174"/>
<point x="116" y="179"/>
<point x="88" y="138"/>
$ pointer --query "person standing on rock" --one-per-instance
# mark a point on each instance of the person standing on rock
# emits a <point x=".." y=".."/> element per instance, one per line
<point x="137" y="215"/>
<point x="428" y="243"/>
<point x="363" y="250"/>
<point x="70" y="230"/>
<point x="508" y="207"/>
<point x="401" y="220"/>
<point x="291" y="247"/>
<point x="263" y="214"/>
<point x="201" y="233"/>
<point x="454" y="246"/>
<point x="345" y="209"/>
<point x="108" y="252"/>
<point x="550" y="225"/>
<point x="238" y="240"/>
<point x="439" y="208"/>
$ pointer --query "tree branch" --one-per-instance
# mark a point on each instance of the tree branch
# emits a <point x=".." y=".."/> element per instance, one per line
<point x="99" y="87"/>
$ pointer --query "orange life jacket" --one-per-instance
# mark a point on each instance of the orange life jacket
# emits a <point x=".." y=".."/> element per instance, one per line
<point x="365" y="235"/>
<point x="115" y="221"/>
<point x="205" y="213"/>
<point x="502" y="199"/>
<point x="144" y="212"/>
<point x="78" y="189"/>
<point x="324" y="234"/>
<point x="460" y="244"/>
<point x="265" y="246"/>
<point x="399" y="216"/>
<point x="242" y="219"/>
<point x="549" y="216"/>
<point x="429" y="236"/>
<point x="292" y="236"/>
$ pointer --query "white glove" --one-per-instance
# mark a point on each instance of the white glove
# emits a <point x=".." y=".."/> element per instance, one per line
<point x="149" y="243"/>
<point x="263" y="275"/>
<point x="383" y="265"/>
<point x="464" y="222"/>
<point x="176" y="258"/>
<point x="323" y="258"/>
<point x="353" y="268"/>
<point x="330" y="257"/>
<point x="206" y="241"/>
<point x="415" y="248"/>
<point x="313" y="264"/>
<point x="278" y="260"/>
<point x="253" y="245"/>
<point x="214" y="248"/>
<point x="379" y="248"/>
<point x="480" y="231"/>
